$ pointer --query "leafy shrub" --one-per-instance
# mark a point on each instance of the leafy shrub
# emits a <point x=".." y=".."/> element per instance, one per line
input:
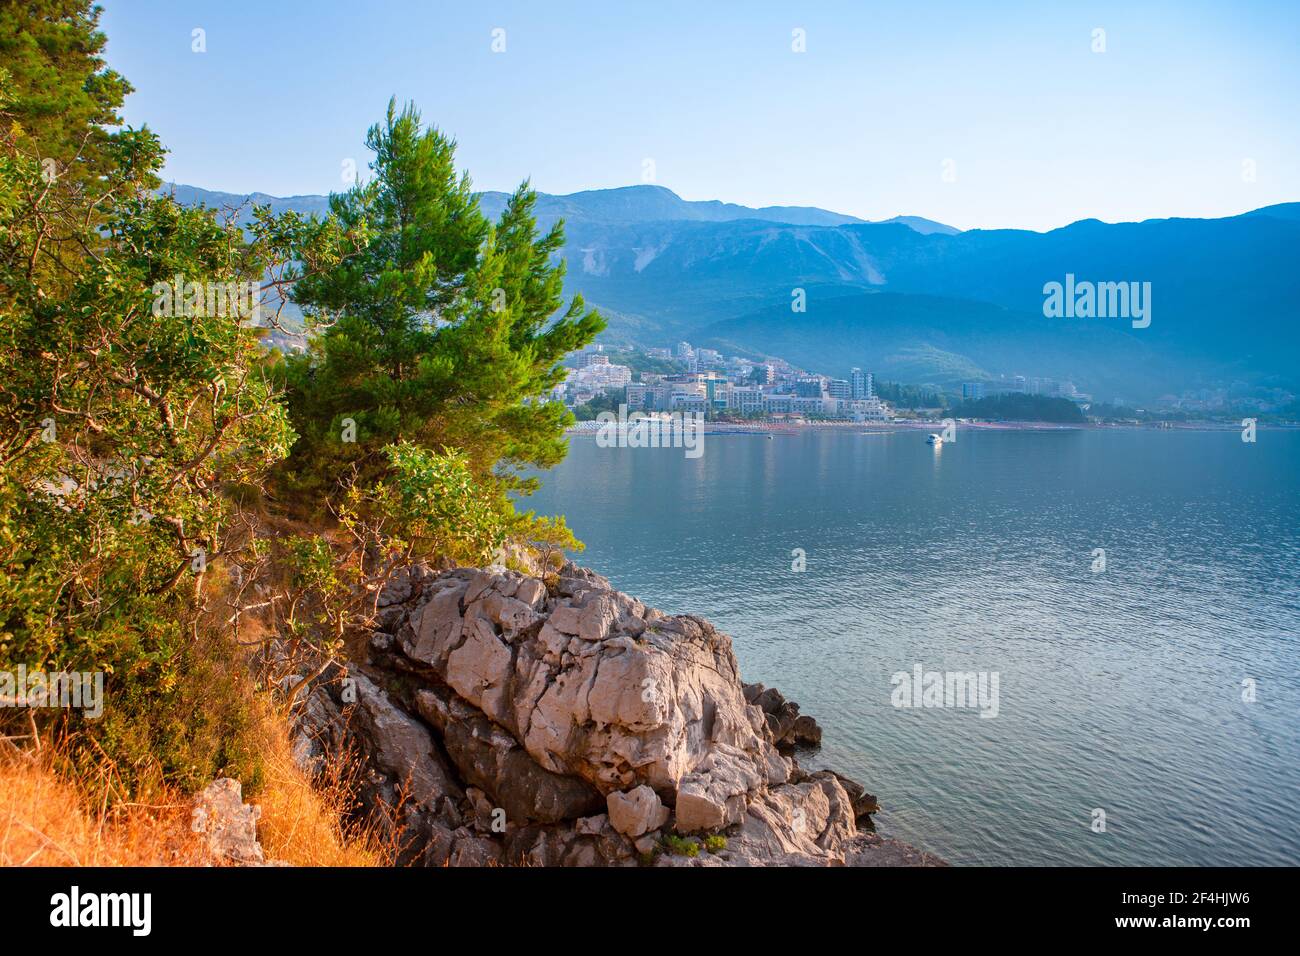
<point x="132" y="394"/>
<point x="681" y="846"/>
<point x="184" y="730"/>
<point x="432" y="504"/>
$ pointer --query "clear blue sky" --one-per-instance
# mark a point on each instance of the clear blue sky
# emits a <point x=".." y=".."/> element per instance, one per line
<point x="1041" y="130"/>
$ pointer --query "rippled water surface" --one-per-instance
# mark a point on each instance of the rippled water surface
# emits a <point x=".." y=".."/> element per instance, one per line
<point x="1119" y="690"/>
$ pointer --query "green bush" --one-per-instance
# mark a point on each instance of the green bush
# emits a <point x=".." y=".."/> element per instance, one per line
<point x="681" y="846"/>
<point x="185" y="730"/>
<point x="132" y="395"/>
<point x="432" y="504"/>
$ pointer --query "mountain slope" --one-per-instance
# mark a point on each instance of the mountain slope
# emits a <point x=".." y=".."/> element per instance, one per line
<point x="958" y="304"/>
<point x="625" y="204"/>
<point x="657" y="203"/>
<point x="945" y="341"/>
<point x="226" y="202"/>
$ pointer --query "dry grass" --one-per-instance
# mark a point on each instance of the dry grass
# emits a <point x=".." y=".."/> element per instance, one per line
<point x="57" y="811"/>
<point x="307" y="825"/>
<point x="47" y="820"/>
<point x="304" y="821"/>
<point x="50" y="818"/>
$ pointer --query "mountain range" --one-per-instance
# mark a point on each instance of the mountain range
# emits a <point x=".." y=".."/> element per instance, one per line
<point x="922" y="302"/>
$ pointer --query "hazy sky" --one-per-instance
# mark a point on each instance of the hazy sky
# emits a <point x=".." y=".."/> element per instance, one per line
<point x="1034" y="129"/>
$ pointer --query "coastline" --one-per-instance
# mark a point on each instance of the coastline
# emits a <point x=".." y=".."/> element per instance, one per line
<point x="512" y="719"/>
<point x="589" y="428"/>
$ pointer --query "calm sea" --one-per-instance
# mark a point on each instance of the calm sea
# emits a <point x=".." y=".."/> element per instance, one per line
<point x="1119" y="690"/>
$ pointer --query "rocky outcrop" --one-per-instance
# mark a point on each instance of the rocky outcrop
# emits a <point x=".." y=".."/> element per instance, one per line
<point x="228" y="824"/>
<point x="864" y="804"/>
<point x="489" y="758"/>
<point x="503" y="720"/>
<point x="636" y="812"/>
<point x="790" y="729"/>
<point x="873" y="850"/>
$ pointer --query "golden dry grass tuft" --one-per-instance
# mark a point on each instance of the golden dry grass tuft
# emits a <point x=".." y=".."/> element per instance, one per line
<point x="306" y="824"/>
<point x="50" y="817"/>
<point x="66" y="806"/>
<point x="46" y="819"/>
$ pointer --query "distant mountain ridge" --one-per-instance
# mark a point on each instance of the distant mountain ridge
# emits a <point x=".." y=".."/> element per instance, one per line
<point x="645" y="203"/>
<point x="195" y="196"/>
<point x="923" y="302"/>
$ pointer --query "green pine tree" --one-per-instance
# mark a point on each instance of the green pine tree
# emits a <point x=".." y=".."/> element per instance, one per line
<point x="63" y="101"/>
<point x="446" y="332"/>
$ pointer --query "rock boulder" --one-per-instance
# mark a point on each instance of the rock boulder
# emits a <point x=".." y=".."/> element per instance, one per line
<point x="505" y="720"/>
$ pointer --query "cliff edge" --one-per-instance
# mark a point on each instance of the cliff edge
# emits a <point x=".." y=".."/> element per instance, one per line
<point x="504" y="721"/>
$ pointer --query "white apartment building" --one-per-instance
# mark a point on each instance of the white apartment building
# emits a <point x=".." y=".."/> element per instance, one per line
<point x="600" y="377"/>
<point x="812" y="406"/>
<point x="839" y="388"/>
<point x="865" y="410"/>
<point x="586" y="359"/>
<point x="798" y="405"/>
<point x="745" y="399"/>
<point x="683" y="394"/>
<point x="687" y="402"/>
<point x="708" y="358"/>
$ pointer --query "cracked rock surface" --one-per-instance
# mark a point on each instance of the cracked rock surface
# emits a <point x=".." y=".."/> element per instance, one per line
<point x="502" y="721"/>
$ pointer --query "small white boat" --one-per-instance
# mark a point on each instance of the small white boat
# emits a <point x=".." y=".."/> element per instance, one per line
<point x="934" y="439"/>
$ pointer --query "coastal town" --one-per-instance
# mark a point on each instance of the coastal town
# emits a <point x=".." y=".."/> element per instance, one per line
<point x="732" y="388"/>
<point x="703" y="382"/>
